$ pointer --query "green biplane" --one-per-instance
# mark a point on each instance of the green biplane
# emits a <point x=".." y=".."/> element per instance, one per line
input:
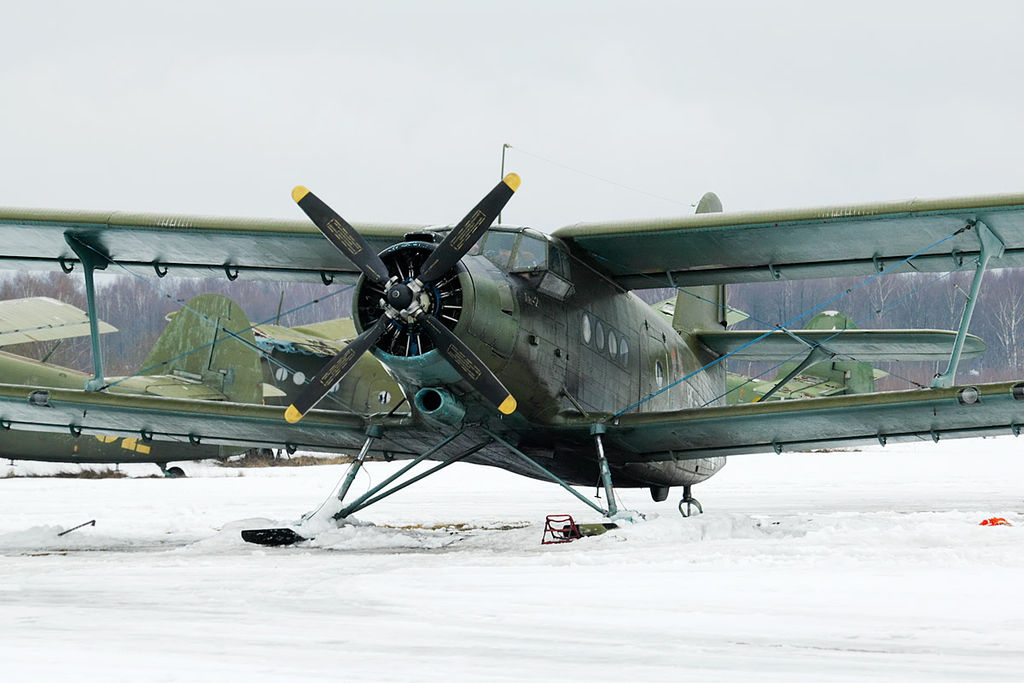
<point x="528" y="351"/>
<point x="194" y="358"/>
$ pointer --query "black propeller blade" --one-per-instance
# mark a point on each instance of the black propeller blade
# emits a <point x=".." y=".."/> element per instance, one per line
<point x="342" y="235"/>
<point x="469" y="366"/>
<point x="470" y="229"/>
<point x="335" y="370"/>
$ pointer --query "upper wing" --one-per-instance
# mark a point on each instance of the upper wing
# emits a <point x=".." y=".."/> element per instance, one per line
<point x="722" y="248"/>
<point x="190" y="246"/>
<point x="805" y="424"/>
<point x="41" y="318"/>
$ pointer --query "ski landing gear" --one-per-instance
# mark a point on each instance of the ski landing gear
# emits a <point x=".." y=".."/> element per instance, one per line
<point x="336" y="510"/>
<point x="689" y="503"/>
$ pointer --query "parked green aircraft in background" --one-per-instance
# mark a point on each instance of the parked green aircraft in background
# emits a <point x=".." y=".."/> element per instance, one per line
<point x="187" y="362"/>
<point x="528" y="351"/>
<point x="195" y="358"/>
<point x="830" y="378"/>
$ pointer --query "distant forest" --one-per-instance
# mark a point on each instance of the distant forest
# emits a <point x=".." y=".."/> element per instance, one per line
<point x="906" y="301"/>
<point x="138" y="308"/>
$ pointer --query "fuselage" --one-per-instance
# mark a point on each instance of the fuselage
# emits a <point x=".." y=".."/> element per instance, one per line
<point x="566" y="341"/>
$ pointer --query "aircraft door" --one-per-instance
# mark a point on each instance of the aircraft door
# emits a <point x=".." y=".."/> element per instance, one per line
<point x="655" y="369"/>
<point x="547" y="341"/>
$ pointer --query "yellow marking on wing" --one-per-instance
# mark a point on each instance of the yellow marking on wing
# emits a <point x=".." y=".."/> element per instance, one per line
<point x="508" y="406"/>
<point x="512" y="180"/>
<point x="292" y="414"/>
<point x="299" y="192"/>
<point x="133" y="445"/>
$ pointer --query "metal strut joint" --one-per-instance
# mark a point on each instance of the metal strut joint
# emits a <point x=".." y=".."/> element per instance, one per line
<point x="991" y="247"/>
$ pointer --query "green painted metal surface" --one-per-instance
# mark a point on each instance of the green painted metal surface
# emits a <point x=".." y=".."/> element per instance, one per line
<point x="41" y="318"/>
<point x="863" y="345"/>
<point x="188" y="246"/>
<point x="761" y="246"/>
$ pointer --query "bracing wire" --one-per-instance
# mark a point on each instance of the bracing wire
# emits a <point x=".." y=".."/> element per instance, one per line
<point x="236" y="335"/>
<point x="789" y="322"/>
<point x="877" y="312"/>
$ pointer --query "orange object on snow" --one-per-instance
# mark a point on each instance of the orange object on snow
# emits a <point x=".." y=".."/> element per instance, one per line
<point x="995" y="521"/>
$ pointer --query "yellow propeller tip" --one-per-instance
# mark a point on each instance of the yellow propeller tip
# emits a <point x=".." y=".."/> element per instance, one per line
<point x="512" y="180"/>
<point x="292" y="414"/>
<point x="299" y="192"/>
<point x="508" y="406"/>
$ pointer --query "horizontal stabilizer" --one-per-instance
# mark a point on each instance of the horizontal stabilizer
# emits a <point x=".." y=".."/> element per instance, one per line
<point x="861" y="345"/>
<point x="41" y="318"/>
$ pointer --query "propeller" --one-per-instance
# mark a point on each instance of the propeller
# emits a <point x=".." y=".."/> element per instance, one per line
<point x="404" y="303"/>
<point x="341" y="235"/>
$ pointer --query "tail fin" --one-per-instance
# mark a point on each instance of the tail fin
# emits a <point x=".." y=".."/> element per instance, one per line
<point x="210" y="340"/>
<point x="702" y="307"/>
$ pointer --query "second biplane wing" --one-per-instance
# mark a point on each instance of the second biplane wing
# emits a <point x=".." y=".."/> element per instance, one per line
<point x="862" y="345"/>
<point x="90" y="413"/>
<point x="41" y="318"/>
<point x="762" y="246"/>
<point x="188" y="246"/>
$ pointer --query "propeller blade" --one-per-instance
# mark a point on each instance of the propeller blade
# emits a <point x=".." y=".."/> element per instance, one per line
<point x="470" y="229"/>
<point x="469" y="366"/>
<point x="342" y="235"/>
<point x="335" y="370"/>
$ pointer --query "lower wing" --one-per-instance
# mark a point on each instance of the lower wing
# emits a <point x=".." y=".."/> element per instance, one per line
<point x="158" y="418"/>
<point x="807" y="424"/>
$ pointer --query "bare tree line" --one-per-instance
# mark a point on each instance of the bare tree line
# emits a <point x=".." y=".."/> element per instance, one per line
<point x="906" y="301"/>
<point x="138" y="308"/>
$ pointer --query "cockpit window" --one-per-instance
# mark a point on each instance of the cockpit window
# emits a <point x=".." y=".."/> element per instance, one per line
<point x="531" y="255"/>
<point x="498" y="248"/>
<point x="559" y="262"/>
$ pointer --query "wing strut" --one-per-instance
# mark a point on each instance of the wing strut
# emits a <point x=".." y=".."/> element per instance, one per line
<point x="92" y="260"/>
<point x="991" y="247"/>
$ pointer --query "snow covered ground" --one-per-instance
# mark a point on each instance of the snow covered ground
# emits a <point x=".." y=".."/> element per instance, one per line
<point x="831" y="566"/>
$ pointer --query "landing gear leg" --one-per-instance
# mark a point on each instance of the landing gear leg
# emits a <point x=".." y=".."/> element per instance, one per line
<point x="689" y="503"/>
<point x="289" y="535"/>
<point x="606" y="474"/>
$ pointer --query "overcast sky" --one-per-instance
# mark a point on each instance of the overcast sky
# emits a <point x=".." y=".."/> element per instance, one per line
<point x="397" y="112"/>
